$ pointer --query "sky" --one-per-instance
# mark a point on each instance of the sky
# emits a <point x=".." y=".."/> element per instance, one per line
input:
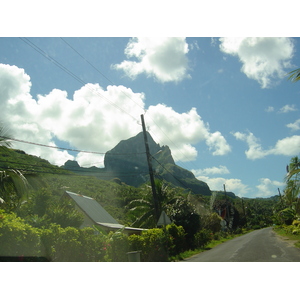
<point x="223" y="105"/>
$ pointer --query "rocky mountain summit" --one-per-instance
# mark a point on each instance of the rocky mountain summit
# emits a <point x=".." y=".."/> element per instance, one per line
<point x="128" y="162"/>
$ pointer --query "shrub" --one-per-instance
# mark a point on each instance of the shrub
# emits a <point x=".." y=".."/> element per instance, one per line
<point x="92" y="245"/>
<point x="117" y="246"/>
<point x="287" y="215"/>
<point x="176" y="239"/>
<point x="255" y="227"/>
<point x="61" y="244"/>
<point x="296" y="223"/>
<point x="202" y="238"/>
<point x="72" y="244"/>
<point x="18" y="238"/>
<point x="211" y="222"/>
<point x="153" y="243"/>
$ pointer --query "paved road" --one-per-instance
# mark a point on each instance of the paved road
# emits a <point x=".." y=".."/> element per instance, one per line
<point x="262" y="245"/>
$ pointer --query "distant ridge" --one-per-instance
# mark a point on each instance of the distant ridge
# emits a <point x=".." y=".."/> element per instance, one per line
<point x="127" y="161"/>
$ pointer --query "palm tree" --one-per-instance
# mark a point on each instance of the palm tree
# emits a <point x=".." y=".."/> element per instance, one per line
<point x="294" y="75"/>
<point x="143" y="210"/>
<point x="13" y="184"/>
<point x="292" y="190"/>
<point x="293" y="169"/>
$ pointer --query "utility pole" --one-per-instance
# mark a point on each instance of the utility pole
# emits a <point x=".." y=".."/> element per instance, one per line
<point x="150" y="170"/>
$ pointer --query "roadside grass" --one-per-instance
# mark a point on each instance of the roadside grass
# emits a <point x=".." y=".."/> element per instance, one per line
<point x="210" y="245"/>
<point x="295" y="237"/>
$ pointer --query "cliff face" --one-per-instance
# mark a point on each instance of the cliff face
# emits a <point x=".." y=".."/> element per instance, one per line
<point x="127" y="161"/>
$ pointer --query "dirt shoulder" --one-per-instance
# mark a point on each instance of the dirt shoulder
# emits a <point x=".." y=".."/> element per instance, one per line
<point x="286" y="239"/>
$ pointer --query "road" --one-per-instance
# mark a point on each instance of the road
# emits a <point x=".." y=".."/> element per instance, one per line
<point x="262" y="245"/>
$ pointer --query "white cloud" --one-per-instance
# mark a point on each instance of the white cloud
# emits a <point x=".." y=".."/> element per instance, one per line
<point x="232" y="185"/>
<point x="217" y="142"/>
<point x="267" y="187"/>
<point x="294" y="126"/>
<point x="188" y="127"/>
<point x="95" y="120"/>
<point x="287" y="146"/>
<point x="255" y="150"/>
<point x="263" y="59"/>
<point x="287" y="108"/>
<point x="163" y="58"/>
<point x="270" y="109"/>
<point x="212" y="170"/>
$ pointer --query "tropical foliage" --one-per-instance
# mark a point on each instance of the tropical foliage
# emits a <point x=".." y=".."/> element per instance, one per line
<point x="36" y="221"/>
<point x="294" y="75"/>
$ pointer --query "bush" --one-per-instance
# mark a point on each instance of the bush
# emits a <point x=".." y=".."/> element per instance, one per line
<point x="117" y="246"/>
<point x="72" y="245"/>
<point x="18" y="238"/>
<point x="92" y="245"/>
<point x="153" y="243"/>
<point x="296" y="223"/>
<point x="287" y="216"/>
<point x="176" y="239"/>
<point x="202" y="238"/>
<point x="211" y="222"/>
<point x="255" y="227"/>
<point x="292" y="229"/>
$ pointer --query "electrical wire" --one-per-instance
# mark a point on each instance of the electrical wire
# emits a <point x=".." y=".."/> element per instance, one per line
<point x="67" y="149"/>
<point x="61" y="171"/>
<point x="39" y="50"/>
<point x="182" y="183"/>
<point x="58" y="64"/>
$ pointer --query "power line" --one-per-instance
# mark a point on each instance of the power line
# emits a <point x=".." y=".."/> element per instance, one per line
<point x="182" y="183"/>
<point x="39" y="50"/>
<point x="114" y="84"/>
<point x="24" y="167"/>
<point x="98" y="71"/>
<point x="61" y="148"/>
<point x="58" y="64"/>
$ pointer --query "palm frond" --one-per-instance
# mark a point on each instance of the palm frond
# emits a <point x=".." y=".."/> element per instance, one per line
<point x="4" y="137"/>
<point x="294" y="75"/>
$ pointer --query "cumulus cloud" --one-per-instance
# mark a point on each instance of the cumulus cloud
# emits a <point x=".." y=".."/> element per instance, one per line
<point x="217" y="143"/>
<point x="287" y="146"/>
<point x="180" y="130"/>
<point x="287" y="108"/>
<point x="211" y="171"/>
<point x="294" y="126"/>
<point x="162" y="58"/>
<point x="268" y="187"/>
<point x="232" y="185"/>
<point x="263" y="59"/>
<point x="95" y="120"/>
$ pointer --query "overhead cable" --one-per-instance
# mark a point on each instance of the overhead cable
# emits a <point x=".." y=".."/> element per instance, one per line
<point x="58" y="64"/>
<point x="67" y="149"/>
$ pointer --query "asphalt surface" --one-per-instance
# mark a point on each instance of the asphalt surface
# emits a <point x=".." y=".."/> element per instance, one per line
<point x="262" y="245"/>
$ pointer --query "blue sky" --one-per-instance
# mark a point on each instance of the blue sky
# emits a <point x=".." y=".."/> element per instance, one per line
<point x="223" y="105"/>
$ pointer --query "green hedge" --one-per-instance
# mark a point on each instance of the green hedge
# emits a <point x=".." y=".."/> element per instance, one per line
<point x="58" y="244"/>
<point x="18" y="238"/>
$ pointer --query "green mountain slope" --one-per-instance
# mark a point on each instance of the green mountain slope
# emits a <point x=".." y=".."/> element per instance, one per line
<point x="127" y="161"/>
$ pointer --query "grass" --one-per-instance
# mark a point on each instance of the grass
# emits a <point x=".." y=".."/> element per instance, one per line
<point x="281" y="231"/>
<point x="209" y="246"/>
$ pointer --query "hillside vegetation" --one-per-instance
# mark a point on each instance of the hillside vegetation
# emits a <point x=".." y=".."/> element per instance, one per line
<point x="53" y="224"/>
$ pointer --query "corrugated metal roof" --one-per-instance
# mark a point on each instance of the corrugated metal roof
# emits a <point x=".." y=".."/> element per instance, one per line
<point x="118" y="226"/>
<point x="92" y="208"/>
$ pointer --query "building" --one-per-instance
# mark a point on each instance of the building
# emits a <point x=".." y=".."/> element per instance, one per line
<point x="95" y="215"/>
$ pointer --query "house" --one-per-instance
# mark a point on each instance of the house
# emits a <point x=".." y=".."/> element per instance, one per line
<point x="96" y="215"/>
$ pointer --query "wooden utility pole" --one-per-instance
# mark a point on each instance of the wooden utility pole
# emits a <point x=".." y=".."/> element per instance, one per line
<point x="150" y="170"/>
